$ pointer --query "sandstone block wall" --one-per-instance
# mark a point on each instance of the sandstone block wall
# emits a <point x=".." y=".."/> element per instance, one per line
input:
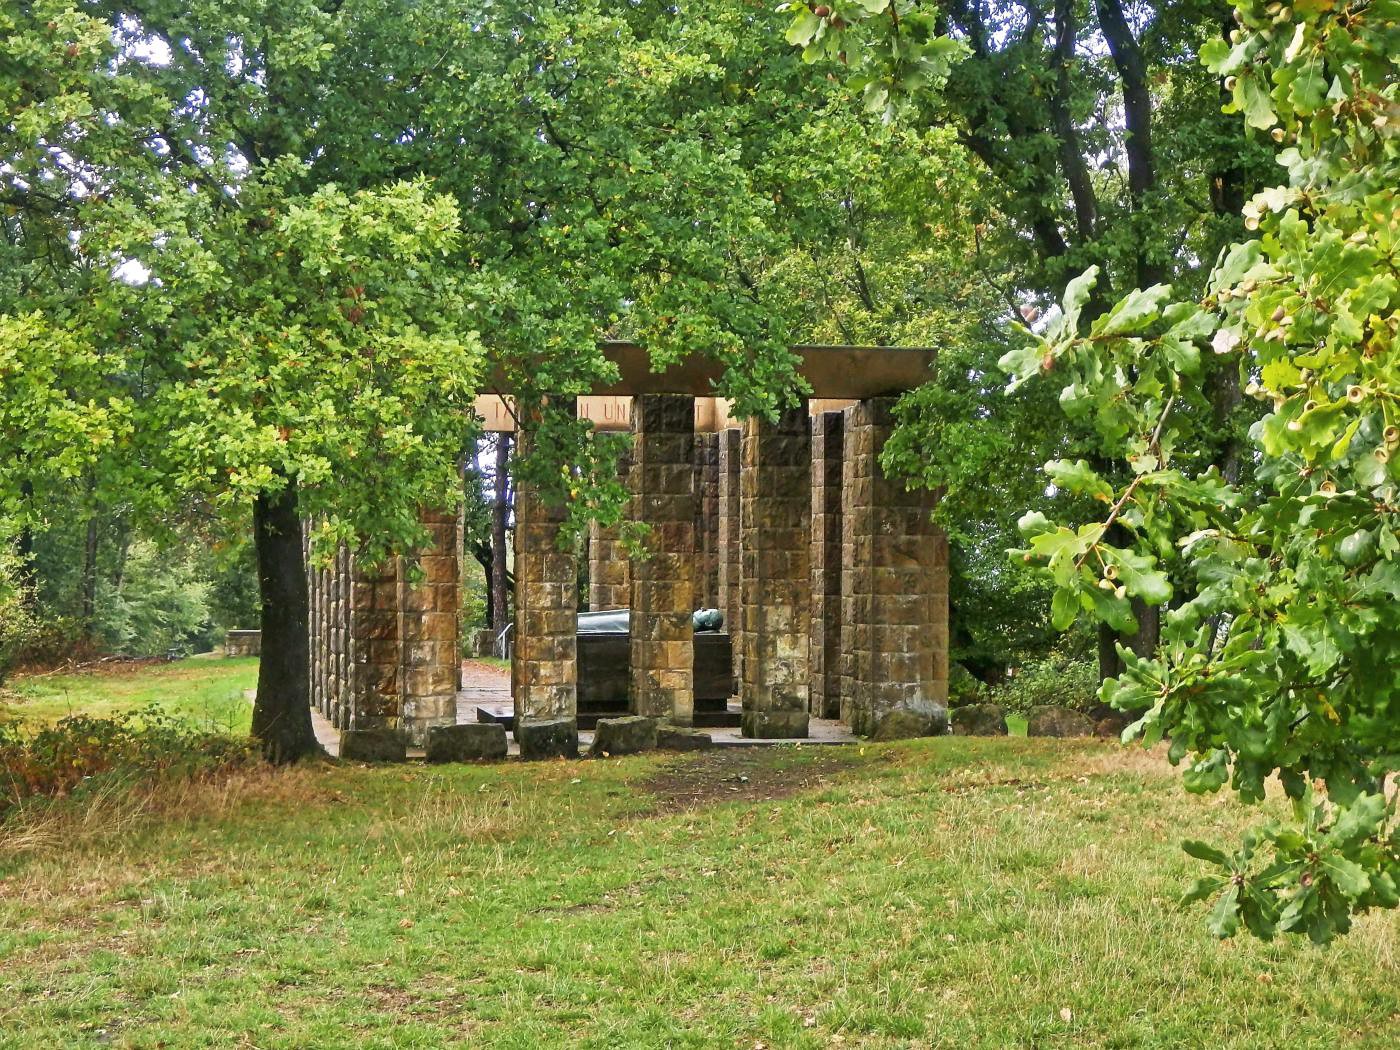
<point x="544" y="667"/>
<point x="727" y="545"/>
<point x="894" y="632"/>
<point x="664" y="576"/>
<point x="825" y="649"/>
<point x="706" y="486"/>
<point x="609" y="571"/>
<point x="775" y="512"/>
<point x="384" y="647"/>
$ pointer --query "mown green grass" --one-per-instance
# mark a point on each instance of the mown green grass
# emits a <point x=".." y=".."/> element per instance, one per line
<point x="207" y="690"/>
<point x="949" y="892"/>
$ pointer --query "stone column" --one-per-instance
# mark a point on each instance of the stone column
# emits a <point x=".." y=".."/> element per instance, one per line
<point x="340" y="639"/>
<point x="825" y="648"/>
<point x="894" y="591"/>
<point x="663" y="578"/>
<point x="428" y="606"/>
<point x="727" y="533"/>
<point x="775" y="514"/>
<point x="706" y="487"/>
<point x="609" y="571"/>
<point x="376" y="682"/>
<point x="544" y="667"/>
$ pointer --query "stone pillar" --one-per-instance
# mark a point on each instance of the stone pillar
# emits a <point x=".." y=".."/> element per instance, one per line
<point x="544" y="667"/>
<point x="706" y="486"/>
<point x="894" y="589"/>
<point x="609" y="570"/>
<point x="727" y="534"/>
<point x="376" y="682"/>
<point x="775" y="509"/>
<point x="825" y="647"/>
<point x="428" y="607"/>
<point x="336" y="709"/>
<point x="663" y="578"/>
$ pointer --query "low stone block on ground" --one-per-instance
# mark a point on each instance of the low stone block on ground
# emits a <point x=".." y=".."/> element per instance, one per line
<point x="906" y="724"/>
<point x="979" y="720"/>
<point x="547" y="738"/>
<point x="469" y="742"/>
<point x="680" y="738"/>
<point x="623" y="736"/>
<point x="1048" y="720"/>
<point x="373" y="745"/>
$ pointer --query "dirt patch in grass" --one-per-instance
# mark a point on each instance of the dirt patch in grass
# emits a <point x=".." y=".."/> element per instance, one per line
<point x="742" y="774"/>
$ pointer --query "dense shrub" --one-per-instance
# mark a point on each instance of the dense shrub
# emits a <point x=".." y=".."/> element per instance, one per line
<point x="1058" y="679"/>
<point x="79" y="752"/>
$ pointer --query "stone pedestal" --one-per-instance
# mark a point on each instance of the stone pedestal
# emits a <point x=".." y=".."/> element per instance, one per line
<point x="727" y="534"/>
<point x="663" y="578"/>
<point x="894" y="586"/>
<point x="774" y="512"/>
<point x="825" y="648"/>
<point x="609" y="572"/>
<point x="544" y="665"/>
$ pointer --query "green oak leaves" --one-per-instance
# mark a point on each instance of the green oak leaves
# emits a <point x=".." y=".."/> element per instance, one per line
<point x="1280" y="652"/>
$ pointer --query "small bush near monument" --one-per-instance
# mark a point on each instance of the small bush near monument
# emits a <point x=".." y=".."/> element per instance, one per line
<point x="81" y="754"/>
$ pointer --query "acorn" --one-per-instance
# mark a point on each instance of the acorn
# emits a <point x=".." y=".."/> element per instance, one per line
<point x="1391" y="435"/>
<point x="1230" y="83"/>
<point x="1294" y="425"/>
<point x="1120" y="591"/>
<point x="1309" y="405"/>
<point x="1278" y="314"/>
<point x="1110" y="572"/>
<point x="1328" y="488"/>
<point x="1276" y="134"/>
<point x="1355" y="394"/>
<point x="821" y="10"/>
<point x="1105" y="585"/>
<point x="1381" y="453"/>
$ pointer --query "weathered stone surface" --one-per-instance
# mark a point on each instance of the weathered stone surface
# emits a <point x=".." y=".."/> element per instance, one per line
<point x="623" y="736"/>
<point x="1047" y="720"/>
<point x="383" y="642"/>
<point x="547" y="738"/>
<point x="544" y="664"/>
<point x="727" y="554"/>
<point x="775" y="507"/>
<point x="373" y="745"/>
<point x="903" y="724"/>
<point x="979" y="720"/>
<point x="680" y="738"/>
<point x="243" y="643"/>
<point x="664" y="576"/>
<point x="824" y="658"/>
<point x="609" y="569"/>
<point x="706" y="488"/>
<point x="469" y="742"/>
<point x="894" y="587"/>
<point x="1110" y="727"/>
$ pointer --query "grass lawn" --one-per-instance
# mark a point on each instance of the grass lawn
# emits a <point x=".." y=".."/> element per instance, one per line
<point x="206" y="689"/>
<point x="950" y="892"/>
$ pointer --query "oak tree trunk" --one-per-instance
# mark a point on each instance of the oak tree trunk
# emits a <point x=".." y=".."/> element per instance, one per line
<point x="282" y="711"/>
